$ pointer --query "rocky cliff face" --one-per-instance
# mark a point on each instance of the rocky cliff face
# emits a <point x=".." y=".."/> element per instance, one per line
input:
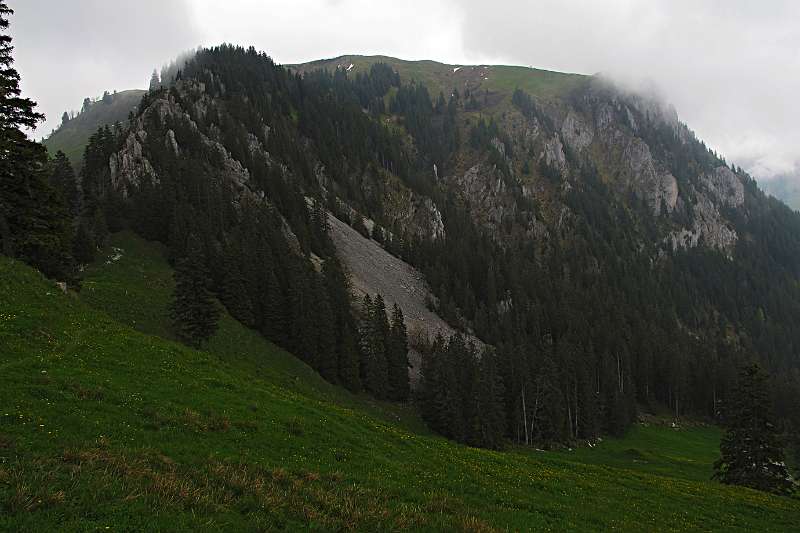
<point x="718" y="189"/>
<point x="599" y="124"/>
<point x="130" y="167"/>
<point x="632" y="140"/>
<point x="625" y="124"/>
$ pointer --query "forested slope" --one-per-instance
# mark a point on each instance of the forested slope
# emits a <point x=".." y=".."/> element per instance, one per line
<point x="607" y="258"/>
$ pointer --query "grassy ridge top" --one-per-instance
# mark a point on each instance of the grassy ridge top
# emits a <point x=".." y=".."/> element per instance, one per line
<point x="102" y="425"/>
<point x="441" y="77"/>
<point x="72" y="137"/>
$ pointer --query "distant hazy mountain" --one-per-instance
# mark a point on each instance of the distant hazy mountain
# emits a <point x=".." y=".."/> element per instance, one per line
<point x="71" y="137"/>
<point x="785" y="188"/>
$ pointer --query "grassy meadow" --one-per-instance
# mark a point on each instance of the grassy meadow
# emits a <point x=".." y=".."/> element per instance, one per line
<point x="108" y="424"/>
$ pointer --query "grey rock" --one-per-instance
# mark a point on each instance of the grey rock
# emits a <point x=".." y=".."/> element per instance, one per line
<point x="657" y="187"/>
<point x="553" y="154"/>
<point x="576" y="132"/>
<point x="172" y="143"/>
<point x="724" y="186"/>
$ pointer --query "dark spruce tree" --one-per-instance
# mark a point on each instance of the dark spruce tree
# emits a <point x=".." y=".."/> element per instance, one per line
<point x="349" y="359"/>
<point x="63" y="180"/>
<point x="235" y="294"/>
<point x="324" y="329"/>
<point x="194" y="311"/>
<point x="751" y="453"/>
<point x="397" y="357"/>
<point x="488" y="426"/>
<point x="34" y="222"/>
<point x="337" y="286"/>
<point x="83" y="248"/>
<point x="374" y="336"/>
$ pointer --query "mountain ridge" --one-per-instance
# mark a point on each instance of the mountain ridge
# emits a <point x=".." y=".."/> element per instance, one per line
<point x="538" y="293"/>
<point x="563" y="219"/>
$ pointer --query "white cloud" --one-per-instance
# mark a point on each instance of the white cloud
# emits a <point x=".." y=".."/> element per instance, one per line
<point x="68" y="50"/>
<point x="731" y="67"/>
<point x="293" y="31"/>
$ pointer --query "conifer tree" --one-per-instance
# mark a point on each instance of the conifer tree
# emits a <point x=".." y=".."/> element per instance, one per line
<point x="349" y="359"/>
<point x="751" y="454"/>
<point x="62" y="178"/>
<point x="34" y="222"/>
<point x="397" y="357"/>
<point x="337" y="286"/>
<point x="302" y="301"/>
<point x="325" y="357"/>
<point x="374" y="335"/>
<point x="449" y="400"/>
<point x="274" y="320"/>
<point x="155" y="81"/>
<point x="320" y="229"/>
<point x="83" y="247"/>
<point x="194" y="311"/>
<point x="365" y="329"/>
<point x="430" y="379"/>
<point x="100" y="231"/>
<point x="489" y="423"/>
<point x="235" y="295"/>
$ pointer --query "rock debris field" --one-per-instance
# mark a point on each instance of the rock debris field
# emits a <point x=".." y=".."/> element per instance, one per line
<point x="373" y="271"/>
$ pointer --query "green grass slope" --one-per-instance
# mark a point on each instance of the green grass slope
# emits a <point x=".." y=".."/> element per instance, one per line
<point x="440" y="77"/>
<point x="106" y="423"/>
<point x="72" y="137"/>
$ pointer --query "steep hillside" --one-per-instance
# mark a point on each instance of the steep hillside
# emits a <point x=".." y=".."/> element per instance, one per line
<point x="71" y="137"/>
<point x="107" y="427"/>
<point x="580" y="231"/>
<point x="373" y="270"/>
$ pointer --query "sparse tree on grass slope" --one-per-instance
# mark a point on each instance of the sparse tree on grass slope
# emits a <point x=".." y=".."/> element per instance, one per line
<point x="751" y="451"/>
<point x="194" y="311"/>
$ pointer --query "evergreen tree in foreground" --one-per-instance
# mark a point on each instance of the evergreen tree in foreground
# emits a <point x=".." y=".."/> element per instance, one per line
<point x="194" y="311"/>
<point x="751" y="451"/>
<point x="34" y="222"/>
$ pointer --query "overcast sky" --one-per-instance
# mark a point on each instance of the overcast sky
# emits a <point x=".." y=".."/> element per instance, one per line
<point x="731" y="67"/>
